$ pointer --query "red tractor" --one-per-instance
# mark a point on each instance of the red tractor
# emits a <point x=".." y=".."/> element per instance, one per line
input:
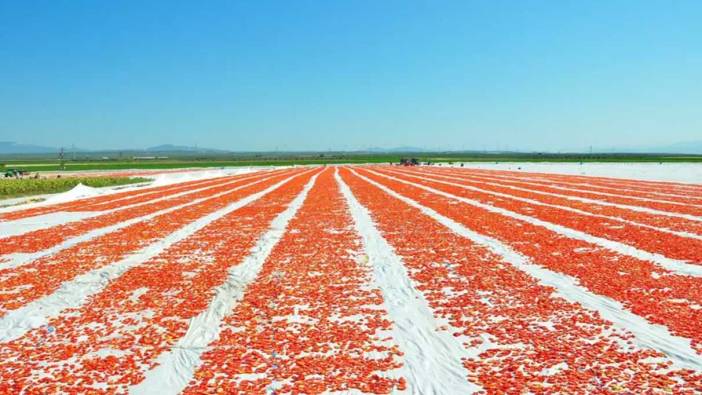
<point x="409" y="162"/>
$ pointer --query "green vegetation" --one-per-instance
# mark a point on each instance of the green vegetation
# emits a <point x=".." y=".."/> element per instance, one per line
<point x="543" y="157"/>
<point x="11" y="187"/>
<point x="45" y="163"/>
<point x="35" y="166"/>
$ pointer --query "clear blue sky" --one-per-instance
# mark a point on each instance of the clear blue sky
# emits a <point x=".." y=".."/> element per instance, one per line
<point x="256" y="75"/>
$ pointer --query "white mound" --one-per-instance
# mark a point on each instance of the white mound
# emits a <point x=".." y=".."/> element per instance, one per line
<point x="172" y="178"/>
<point x="78" y="192"/>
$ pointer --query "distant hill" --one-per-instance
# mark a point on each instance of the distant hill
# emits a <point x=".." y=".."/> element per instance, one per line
<point x="181" y="148"/>
<point x="13" y="148"/>
<point x="686" y="147"/>
<point x="683" y="147"/>
<point x="395" y="149"/>
<point x="10" y="147"/>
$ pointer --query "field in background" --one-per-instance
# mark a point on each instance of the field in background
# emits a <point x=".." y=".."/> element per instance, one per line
<point x="94" y="161"/>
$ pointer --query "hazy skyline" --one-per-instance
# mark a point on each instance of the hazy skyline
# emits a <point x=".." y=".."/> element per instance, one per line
<point x="532" y="75"/>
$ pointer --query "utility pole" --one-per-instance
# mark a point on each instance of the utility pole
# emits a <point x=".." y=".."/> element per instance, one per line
<point x="62" y="160"/>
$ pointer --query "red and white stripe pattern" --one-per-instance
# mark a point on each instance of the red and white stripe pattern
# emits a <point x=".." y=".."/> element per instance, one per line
<point x="358" y="279"/>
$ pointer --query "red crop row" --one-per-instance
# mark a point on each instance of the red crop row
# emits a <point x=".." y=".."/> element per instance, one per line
<point x="647" y="239"/>
<point x="145" y="197"/>
<point x="626" y="199"/>
<point x="106" y="201"/>
<point x="44" y="238"/>
<point x="26" y="283"/>
<point x="686" y="197"/>
<point x="531" y="340"/>
<point x="644" y="288"/>
<point x="135" y="173"/>
<point x="616" y="183"/>
<point x="187" y="185"/>
<point x="310" y="323"/>
<point x="535" y="193"/>
<point x="110" y="341"/>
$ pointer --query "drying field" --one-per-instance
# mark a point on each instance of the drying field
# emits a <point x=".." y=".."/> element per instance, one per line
<point x="357" y="279"/>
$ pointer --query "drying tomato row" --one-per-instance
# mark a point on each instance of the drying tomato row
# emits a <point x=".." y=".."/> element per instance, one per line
<point x="104" y="202"/>
<point x="188" y="185"/>
<point x="685" y="197"/>
<point x="624" y="186"/>
<point x="109" y="342"/>
<point x="625" y="199"/>
<point x="646" y="289"/>
<point x="310" y="322"/>
<point x="21" y="285"/>
<point x="130" y="173"/>
<point x="526" y="338"/>
<point x="655" y="220"/>
<point x="647" y="239"/>
<point x="640" y="185"/>
<point x="145" y="197"/>
<point x="136" y="173"/>
<point x="44" y="238"/>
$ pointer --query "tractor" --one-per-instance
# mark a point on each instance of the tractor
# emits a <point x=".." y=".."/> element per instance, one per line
<point x="15" y="173"/>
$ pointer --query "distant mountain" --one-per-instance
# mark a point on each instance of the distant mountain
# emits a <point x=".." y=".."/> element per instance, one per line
<point x="10" y="147"/>
<point x="683" y="147"/>
<point x="180" y="148"/>
<point x="395" y="149"/>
